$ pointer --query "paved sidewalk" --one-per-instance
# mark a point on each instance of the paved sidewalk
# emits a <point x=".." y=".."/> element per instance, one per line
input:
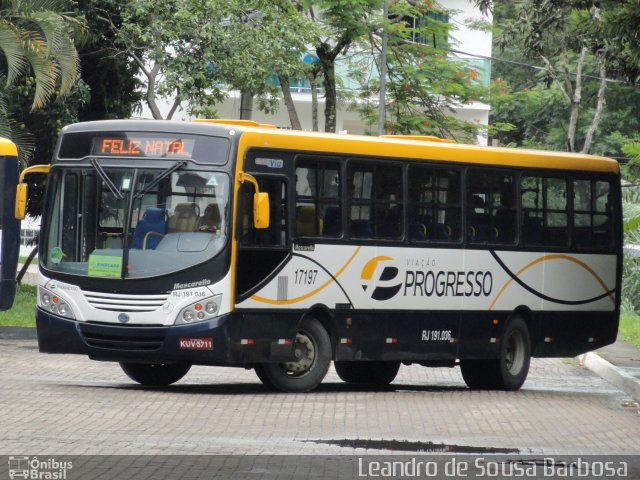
<point x="619" y="364"/>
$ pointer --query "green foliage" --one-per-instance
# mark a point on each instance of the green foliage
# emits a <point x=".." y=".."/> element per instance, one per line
<point x="424" y="85"/>
<point x="111" y="78"/>
<point x="193" y="51"/>
<point x="632" y="150"/>
<point x="630" y="328"/>
<point x="631" y="263"/>
<point x="535" y="104"/>
<point x="40" y="62"/>
<point x="37" y="37"/>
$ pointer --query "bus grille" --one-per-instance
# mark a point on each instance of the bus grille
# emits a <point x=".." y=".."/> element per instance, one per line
<point x="116" y="302"/>
<point x="122" y="338"/>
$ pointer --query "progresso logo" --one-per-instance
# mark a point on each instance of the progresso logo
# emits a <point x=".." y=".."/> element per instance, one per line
<point x="381" y="272"/>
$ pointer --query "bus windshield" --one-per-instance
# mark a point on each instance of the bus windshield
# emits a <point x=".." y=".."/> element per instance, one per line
<point x="133" y="223"/>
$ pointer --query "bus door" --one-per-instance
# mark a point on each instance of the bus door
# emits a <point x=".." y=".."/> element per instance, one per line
<point x="261" y="251"/>
<point x="9" y="225"/>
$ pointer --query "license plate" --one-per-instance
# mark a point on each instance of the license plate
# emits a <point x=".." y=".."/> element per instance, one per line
<point x="196" y="343"/>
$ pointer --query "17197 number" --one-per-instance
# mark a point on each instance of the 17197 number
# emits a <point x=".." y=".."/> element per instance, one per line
<point x="305" y="277"/>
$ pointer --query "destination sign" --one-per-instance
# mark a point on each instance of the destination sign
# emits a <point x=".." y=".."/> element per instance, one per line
<point x="143" y="147"/>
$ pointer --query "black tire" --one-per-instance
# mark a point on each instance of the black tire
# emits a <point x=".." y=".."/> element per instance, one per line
<point x="508" y="372"/>
<point x="264" y="379"/>
<point x="368" y="373"/>
<point x="312" y="348"/>
<point x="156" y="375"/>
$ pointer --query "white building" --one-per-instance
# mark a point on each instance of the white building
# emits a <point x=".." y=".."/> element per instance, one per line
<point x="472" y="45"/>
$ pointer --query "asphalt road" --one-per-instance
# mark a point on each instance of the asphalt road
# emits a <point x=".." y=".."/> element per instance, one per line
<point x="69" y="405"/>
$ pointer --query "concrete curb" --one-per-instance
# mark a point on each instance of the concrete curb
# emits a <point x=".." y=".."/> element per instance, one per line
<point x="612" y="374"/>
<point x="18" y="333"/>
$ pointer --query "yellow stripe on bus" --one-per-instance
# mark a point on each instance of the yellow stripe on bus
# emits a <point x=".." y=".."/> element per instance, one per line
<point x="310" y="294"/>
<point x="298" y="141"/>
<point x="555" y="256"/>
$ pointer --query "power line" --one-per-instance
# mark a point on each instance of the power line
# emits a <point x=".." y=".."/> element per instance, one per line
<point x="529" y="65"/>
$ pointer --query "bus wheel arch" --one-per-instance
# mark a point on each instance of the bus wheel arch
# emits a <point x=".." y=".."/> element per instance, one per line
<point x="323" y="315"/>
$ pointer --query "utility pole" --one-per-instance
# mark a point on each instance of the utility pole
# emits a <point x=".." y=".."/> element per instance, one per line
<point x="383" y="70"/>
<point x="246" y="105"/>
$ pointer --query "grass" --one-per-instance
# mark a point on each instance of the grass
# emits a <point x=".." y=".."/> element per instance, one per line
<point x="22" y="314"/>
<point x="629" y="328"/>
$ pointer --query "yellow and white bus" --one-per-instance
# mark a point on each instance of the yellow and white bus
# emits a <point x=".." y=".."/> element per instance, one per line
<point x="166" y="244"/>
<point x="9" y="225"/>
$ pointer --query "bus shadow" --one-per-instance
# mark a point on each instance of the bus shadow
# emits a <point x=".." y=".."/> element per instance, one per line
<point x="259" y="389"/>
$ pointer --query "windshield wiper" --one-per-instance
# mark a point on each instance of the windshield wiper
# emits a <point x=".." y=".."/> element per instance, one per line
<point x="159" y="178"/>
<point x="105" y="178"/>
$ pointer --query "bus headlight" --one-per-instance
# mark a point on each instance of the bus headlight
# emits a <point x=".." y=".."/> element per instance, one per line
<point x="53" y="303"/>
<point x="205" y="309"/>
<point x="45" y="299"/>
<point x="211" y="308"/>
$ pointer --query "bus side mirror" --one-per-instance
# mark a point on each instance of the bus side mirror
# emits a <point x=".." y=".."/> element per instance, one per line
<point x="261" y="210"/>
<point x="21" y="189"/>
<point x="260" y="202"/>
<point x="21" y="201"/>
<point x="9" y="225"/>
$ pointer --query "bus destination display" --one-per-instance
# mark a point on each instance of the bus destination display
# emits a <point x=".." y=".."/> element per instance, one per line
<point x="143" y="147"/>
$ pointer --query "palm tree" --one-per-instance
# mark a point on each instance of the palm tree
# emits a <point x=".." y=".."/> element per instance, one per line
<point x="37" y="38"/>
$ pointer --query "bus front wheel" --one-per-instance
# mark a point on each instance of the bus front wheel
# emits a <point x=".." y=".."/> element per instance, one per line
<point x="309" y="365"/>
<point x="377" y="374"/>
<point x="507" y="372"/>
<point x="157" y="375"/>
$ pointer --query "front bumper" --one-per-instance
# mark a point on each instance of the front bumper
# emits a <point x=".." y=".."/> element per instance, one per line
<point x="213" y="342"/>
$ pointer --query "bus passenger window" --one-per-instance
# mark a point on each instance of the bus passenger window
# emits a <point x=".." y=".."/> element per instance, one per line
<point x="434" y="204"/>
<point x="491" y="207"/>
<point x="591" y="214"/>
<point x="375" y="197"/>
<point x="317" y="199"/>
<point x="544" y="211"/>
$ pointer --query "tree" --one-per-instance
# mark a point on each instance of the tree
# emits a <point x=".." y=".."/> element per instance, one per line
<point x="424" y="84"/>
<point x="112" y="79"/>
<point x="37" y="40"/>
<point x="581" y="45"/>
<point x="193" y="51"/>
<point x="562" y="36"/>
<point x="340" y="24"/>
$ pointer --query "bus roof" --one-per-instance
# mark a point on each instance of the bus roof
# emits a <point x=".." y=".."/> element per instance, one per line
<point x="386" y="146"/>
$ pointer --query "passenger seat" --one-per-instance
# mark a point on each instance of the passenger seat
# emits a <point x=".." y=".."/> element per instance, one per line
<point x="185" y="218"/>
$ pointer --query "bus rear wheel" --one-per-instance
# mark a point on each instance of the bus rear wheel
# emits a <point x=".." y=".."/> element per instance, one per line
<point x="368" y="373"/>
<point x="157" y="374"/>
<point x="510" y="370"/>
<point x="309" y="365"/>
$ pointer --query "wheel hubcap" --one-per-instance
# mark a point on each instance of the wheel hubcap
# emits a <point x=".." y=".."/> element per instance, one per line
<point x="304" y="353"/>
